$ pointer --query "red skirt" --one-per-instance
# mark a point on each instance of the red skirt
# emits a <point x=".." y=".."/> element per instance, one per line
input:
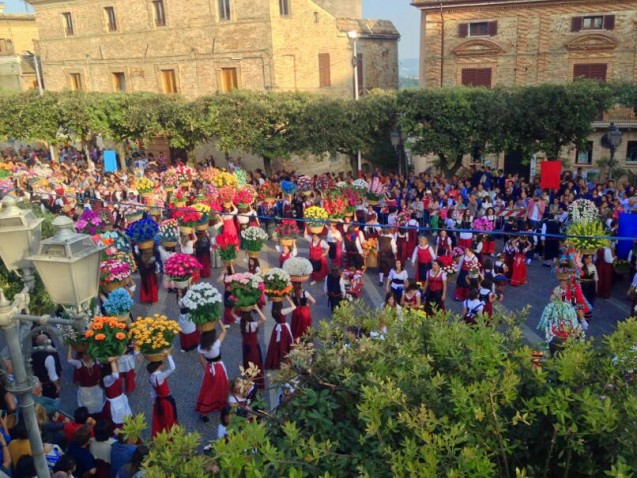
<point x="252" y="353"/>
<point x="189" y="341"/>
<point x="148" y="290"/>
<point x="488" y="247"/>
<point x="228" y="317"/>
<point x="321" y="274"/>
<point x="280" y="345"/>
<point x="213" y="395"/>
<point x="605" y="282"/>
<point x="204" y="259"/>
<point x="488" y="308"/>
<point x="129" y="380"/>
<point x="464" y="243"/>
<point x="164" y="415"/>
<point x="301" y="321"/>
<point x="518" y="277"/>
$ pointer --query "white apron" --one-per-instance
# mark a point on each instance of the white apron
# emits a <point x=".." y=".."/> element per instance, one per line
<point x="91" y="397"/>
<point x="120" y="409"/>
<point x="187" y="325"/>
<point x="126" y="363"/>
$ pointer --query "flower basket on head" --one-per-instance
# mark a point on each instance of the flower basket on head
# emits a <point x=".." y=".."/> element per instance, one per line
<point x="204" y="303"/>
<point x="288" y="187"/>
<point x="226" y="196"/>
<point x="583" y="210"/>
<point x="482" y="224"/>
<point x="74" y="337"/>
<point x="224" y="178"/>
<point x="278" y="284"/>
<point x="246" y="289"/>
<point x="153" y="336"/>
<point x="119" y="303"/>
<point x="335" y="205"/>
<point x="376" y="191"/>
<point x="353" y="197"/>
<point x="132" y="211"/>
<point x="181" y="267"/>
<point x="315" y="218"/>
<point x="186" y="175"/>
<point x="253" y="238"/>
<point x="287" y="232"/>
<point x="244" y="198"/>
<point x="559" y="319"/>
<point x="187" y="218"/>
<point x="587" y="236"/>
<point x="144" y="186"/>
<point x="114" y="273"/>
<point x="143" y="233"/>
<point x="268" y="192"/>
<point x="241" y="176"/>
<point x="208" y="175"/>
<point x="304" y="184"/>
<point x="169" y="179"/>
<point x="169" y="232"/>
<point x="298" y="268"/>
<point x="449" y="266"/>
<point x="106" y="337"/>
<point x="226" y="249"/>
<point x="90" y="223"/>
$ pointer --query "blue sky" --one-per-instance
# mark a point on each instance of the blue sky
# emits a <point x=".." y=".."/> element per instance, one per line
<point x="405" y="18"/>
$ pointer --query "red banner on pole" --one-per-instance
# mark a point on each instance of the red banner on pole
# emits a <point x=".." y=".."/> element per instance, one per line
<point x="550" y="176"/>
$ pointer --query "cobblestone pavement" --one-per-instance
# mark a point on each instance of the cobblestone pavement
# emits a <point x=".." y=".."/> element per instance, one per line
<point x="186" y="380"/>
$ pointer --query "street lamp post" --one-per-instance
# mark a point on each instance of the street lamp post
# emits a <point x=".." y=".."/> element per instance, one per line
<point x="614" y="137"/>
<point x="353" y="35"/>
<point x="398" y="139"/>
<point x="73" y="259"/>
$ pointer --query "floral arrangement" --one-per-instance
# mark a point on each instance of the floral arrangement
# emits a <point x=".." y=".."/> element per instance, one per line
<point x="323" y="183"/>
<point x="254" y="238"/>
<point x="214" y="204"/>
<point x="169" y="178"/>
<point x="474" y="272"/>
<point x="246" y="289"/>
<point x="449" y="266"/>
<point x="287" y="229"/>
<point x="71" y="335"/>
<point x="155" y="204"/>
<point x="142" y="230"/>
<point x="209" y="175"/>
<point x="583" y="210"/>
<point x="106" y="337"/>
<point x="335" y="205"/>
<point x="144" y="185"/>
<point x="120" y="242"/>
<point x="181" y="267"/>
<point x="245" y="197"/>
<point x="225" y="178"/>
<point x="180" y="197"/>
<point x="288" y="187"/>
<point x="241" y="176"/>
<point x="565" y="268"/>
<point x="6" y="186"/>
<point x="169" y="230"/>
<point x="268" y="190"/>
<point x="153" y="335"/>
<point x="277" y="282"/>
<point x="185" y="174"/>
<point x="203" y="209"/>
<point x="298" y="266"/>
<point x="403" y="217"/>
<point x="114" y="270"/>
<point x="559" y="319"/>
<point x="119" y="302"/>
<point x="315" y="216"/>
<point x="482" y="224"/>
<point x="204" y="303"/>
<point x="457" y="252"/>
<point x="225" y="247"/>
<point x="360" y="184"/>
<point x="377" y="189"/>
<point x="304" y="184"/>
<point x="5" y="173"/>
<point x="589" y="234"/>
<point x="370" y="246"/>
<point x="226" y="194"/>
<point x="131" y="208"/>
<point x="90" y="223"/>
<point x="186" y="216"/>
<point x="353" y="197"/>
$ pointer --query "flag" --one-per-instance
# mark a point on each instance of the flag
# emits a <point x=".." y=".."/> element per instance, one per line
<point x="550" y="176"/>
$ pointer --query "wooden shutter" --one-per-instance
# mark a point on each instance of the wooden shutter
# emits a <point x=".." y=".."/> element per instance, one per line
<point x="609" y="22"/>
<point x="476" y="77"/>
<point x="463" y="30"/>
<point x="493" y="28"/>
<point x="576" y="24"/>
<point x="592" y="71"/>
<point x="325" y="78"/>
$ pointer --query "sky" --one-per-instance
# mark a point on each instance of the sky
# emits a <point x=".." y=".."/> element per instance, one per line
<point x="405" y="17"/>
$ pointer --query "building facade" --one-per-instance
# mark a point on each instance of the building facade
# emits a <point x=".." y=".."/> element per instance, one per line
<point x="526" y="42"/>
<point x="203" y="47"/>
<point x="18" y="37"/>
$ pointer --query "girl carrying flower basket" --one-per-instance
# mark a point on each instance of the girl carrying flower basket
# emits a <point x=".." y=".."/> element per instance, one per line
<point x="253" y="239"/>
<point x="204" y="304"/>
<point x="281" y="339"/>
<point x="213" y="394"/>
<point x="181" y="268"/>
<point x="250" y="342"/>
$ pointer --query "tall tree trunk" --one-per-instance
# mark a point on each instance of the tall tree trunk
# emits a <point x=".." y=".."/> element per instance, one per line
<point x="448" y="171"/>
<point x="121" y="152"/>
<point x="267" y="166"/>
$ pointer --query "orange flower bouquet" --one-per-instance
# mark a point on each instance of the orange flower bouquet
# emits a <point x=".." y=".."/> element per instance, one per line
<point x="106" y="337"/>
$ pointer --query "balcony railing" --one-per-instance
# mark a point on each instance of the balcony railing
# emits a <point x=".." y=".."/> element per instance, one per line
<point x="619" y="116"/>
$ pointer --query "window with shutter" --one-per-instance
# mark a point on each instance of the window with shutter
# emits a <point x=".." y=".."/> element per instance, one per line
<point x="493" y="28"/>
<point x="576" y="24"/>
<point x="479" y="29"/>
<point x="325" y="77"/>
<point x="476" y="77"/>
<point x="609" y="22"/>
<point x="592" y="22"/>
<point x="463" y="30"/>
<point x="592" y="71"/>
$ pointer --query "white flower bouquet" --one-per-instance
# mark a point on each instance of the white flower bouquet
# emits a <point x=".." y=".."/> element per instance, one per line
<point x="253" y="238"/>
<point x="299" y="268"/>
<point x="361" y="183"/>
<point x="277" y="283"/>
<point x="583" y="210"/>
<point x="204" y="303"/>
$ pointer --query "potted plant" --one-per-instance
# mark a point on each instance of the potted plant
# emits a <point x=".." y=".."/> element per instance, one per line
<point x="244" y="198"/>
<point x="180" y="268"/>
<point x="119" y="304"/>
<point x="226" y="249"/>
<point x="315" y="218"/>
<point x="143" y="233"/>
<point x="179" y="199"/>
<point x="90" y="223"/>
<point x="106" y="337"/>
<point x="153" y="336"/>
<point x="583" y="210"/>
<point x="187" y="217"/>
<point x="169" y="232"/>
<point x="370" y="250"/>
<point x="587" y="236"/>
<point x="559" y="320"/>
<point x="299" y="269"/>
<point x="205" y="304"/>
<point x="74" y="337"/>
<point x="253" y="239"/>
<point x="277" y="283"/>
<point x="335" y="205"/>
<point x="185" y="175"/>
<point x="482" y="224"/>
<point x="288" y="187"/>
<point x="114" y="273"/>
<point x="246" y="289"/>
<point x="287" y="232"/>
<point x="208" y="175"/>
<point x="144" y="186"/>
<point x="449" y="266"/>
<point x="352" y="197"/>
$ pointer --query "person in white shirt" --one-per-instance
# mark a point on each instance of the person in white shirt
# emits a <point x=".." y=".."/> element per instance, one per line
<point x="213" y="395"/>
<point x="164" y="408"/>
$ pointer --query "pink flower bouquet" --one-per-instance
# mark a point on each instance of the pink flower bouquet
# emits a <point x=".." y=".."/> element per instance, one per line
<point x="246" y="289"/>
<point x="181" y="267"/>
<point x="114" y="270"/>
<point x="482" y="224"/>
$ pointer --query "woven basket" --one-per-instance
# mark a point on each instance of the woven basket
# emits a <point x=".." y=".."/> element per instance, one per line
<point x="111" y="286"/>
<point x="124" y="318"/>
<point x="228" y="263"/>
<point x="146" y="245"/>
<point x="181" y="284"/>
<point x="315" y="229"/>
<point x="157" y="357"/>
<point x="372" y="202"/>
<point x="588" y="252"/>
<point x="169" y="243"/>
<point x="371" y="261"/>
<point x="275" y="299"/>
<point x="185" y="229"/>
<point x="207" y="327"/>
<point x="286" y="242"/>
<point x="246" y="308"/>
<point x="134" y="217"/>
<point x="562" y="275"/>
<point x="299" y="278"/>
<point x="201" y="227"/>
<point x="253" y="254"/>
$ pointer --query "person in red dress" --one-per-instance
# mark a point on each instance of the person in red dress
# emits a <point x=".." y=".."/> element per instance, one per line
<point x="468" y="261"/>
<point x="188" y="335"/>
<point x="202" y="253"/>
<point x="335" y="243"/>
<point x="285" y="252"/>
<point x="88" y="374"/>
<point x="604" y="266"/>
<point x="229" y="225"/>
<point x="444" y="246"/>
<point x="422" y="259"/>
<point x="228" y="305"/>
<point x="148" y="292"/>
<point x="116" y="407"/>
<point x="254" y="267"/>
<point x="412" y="236"/>
<point x="487" y="296"/>
<point x="302" y="316"/>
<point x="489" y="242"/>
<point x="281" y="339"/>
<point x="213" y="394"/>
<point x="519" y="273"/>
<point x="435" y="289"/>
<point x="318" y="256"/>
<point x="164" y="407"/>
<point x="250" y="342"/>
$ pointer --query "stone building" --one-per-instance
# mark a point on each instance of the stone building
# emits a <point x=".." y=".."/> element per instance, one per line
<point x="525" y="42"/>
<point x="202" y="47"/>
<point x="18" y="34"/>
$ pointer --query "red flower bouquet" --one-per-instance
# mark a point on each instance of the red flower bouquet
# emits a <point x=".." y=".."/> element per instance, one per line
<point x="245" y="197"/>
<point x="268" y="191"/>
<point x="226" y="248"/>
<point x="181" y="267"/>
<point x="226" y="194"/>
<point x="185" y="174"/>
<point x="335" y="205"/>
<point x="287" y="229"/>
<point x="187" y="216"/>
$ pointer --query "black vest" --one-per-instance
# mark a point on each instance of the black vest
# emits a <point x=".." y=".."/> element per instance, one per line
<point x="39" y="370"/>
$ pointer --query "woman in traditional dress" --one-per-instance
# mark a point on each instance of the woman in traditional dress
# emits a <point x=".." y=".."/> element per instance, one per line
<point x="396" y="281"/>
<point x="444" y="246"/>
<point x="487" y="296"/>
<point x="250" y="342"/>
<point x="202" y="253"/>
<point x="472" y="307"/>
<point x="413" y="226"/>
<point x="335" y="243"/>
<point x="589" y="281"/>
<point x="468" y="261"/>
<point x="318" y="256"/>
<point x="148" y="293"/>
<point x="508" y="253"/>
<point x="411" y="299"/>
<point x="281" y="339"/>
<point x="488" y="248"/>
<point x="213" y="394"/>
<point x="229" y="225"/>
<point x="285" y="252"/>
<point x="228" y="305"/>
<point x="465" y="238"/>
<point x="116" y="408"/>
<point x="189" y="335"/>
<point x="302" y="315"/>
<point x="435" y="288"/>
<point x="164" y="407"/>
<point x="422" y="259"/>
<point x="334" y="288"/>
<point x="126" y="368"/>
<point x="604" y="266"/>
<point x="519" y="273"/>
<point x="88" y="374"/>
<point x="353" y="248"/>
